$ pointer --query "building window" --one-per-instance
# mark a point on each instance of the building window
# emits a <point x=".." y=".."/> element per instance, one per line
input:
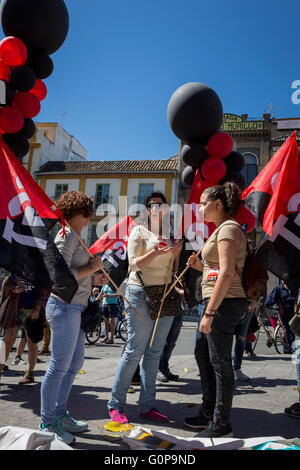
<point x="102" y="194"/>
<point x="54" y="231"/>
<point x="144" y="191"/>
<point x="250" y="169"/>
<point x="92" y="234"/>
<point x="60" y="189"/>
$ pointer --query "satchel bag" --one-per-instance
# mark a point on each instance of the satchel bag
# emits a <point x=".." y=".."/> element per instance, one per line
<point x="90" y="317"/>
<point x="154" y="295"/>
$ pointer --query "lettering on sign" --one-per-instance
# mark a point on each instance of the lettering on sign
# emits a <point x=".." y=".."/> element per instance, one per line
<point x="233" y="122"/>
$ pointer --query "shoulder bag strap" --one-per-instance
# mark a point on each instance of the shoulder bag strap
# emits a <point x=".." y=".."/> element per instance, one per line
<point x="138" y="273"/>
<point x="231" y="222"/>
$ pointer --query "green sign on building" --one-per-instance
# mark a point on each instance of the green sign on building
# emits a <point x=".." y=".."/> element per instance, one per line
<point x="232" y="122"/>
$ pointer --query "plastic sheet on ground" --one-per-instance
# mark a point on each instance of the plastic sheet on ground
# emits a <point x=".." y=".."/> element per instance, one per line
<point x="141" y="438"/>
<point x="15" y="438"/>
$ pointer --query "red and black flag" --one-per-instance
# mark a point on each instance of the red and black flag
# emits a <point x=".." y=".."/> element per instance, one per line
<point x="111" y="247"/>
<point x="274" y="197"/>
<point x="26" y="216"/>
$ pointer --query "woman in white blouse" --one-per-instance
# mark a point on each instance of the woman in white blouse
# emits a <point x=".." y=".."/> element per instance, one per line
<point x="154" y="263"/>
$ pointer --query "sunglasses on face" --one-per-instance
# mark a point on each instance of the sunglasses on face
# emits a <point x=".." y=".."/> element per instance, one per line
<point x="154" y="205"/>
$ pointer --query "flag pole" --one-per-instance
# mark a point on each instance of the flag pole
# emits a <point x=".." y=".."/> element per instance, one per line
<point x="160" y="308"/>
<point x="102" y="269"/>
<point x="180" y="276"/>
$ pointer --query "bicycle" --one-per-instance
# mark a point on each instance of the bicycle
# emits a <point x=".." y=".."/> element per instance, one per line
<point x="95" y="335"/>
<point x="275" y="337"/>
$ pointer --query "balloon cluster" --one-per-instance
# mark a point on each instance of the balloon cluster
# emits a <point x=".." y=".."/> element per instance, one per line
<point x="34" y="30"/>
<point x="195" y="114"/>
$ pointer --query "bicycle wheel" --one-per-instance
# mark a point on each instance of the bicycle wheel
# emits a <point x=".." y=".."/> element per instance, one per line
<point x="257" y="333"/>
<point x="279" y="339"/>
<point x="94" y="335"/>
<point x="123" y="330"/>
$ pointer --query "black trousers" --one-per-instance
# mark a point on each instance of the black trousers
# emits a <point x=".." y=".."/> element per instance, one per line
<point x="213" y="356"/>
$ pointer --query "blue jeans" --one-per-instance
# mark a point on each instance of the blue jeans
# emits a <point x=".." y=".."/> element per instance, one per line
<point x="170" y="343"/>
<point x="213" y="356"/>
<point x="241" y="332"/>
<point x="67" y="357"/>
<point x="138" y="344"/>
<point x="297" y="357"/>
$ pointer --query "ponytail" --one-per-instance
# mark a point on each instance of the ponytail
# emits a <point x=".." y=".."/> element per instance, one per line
<point x="230" y="195"/>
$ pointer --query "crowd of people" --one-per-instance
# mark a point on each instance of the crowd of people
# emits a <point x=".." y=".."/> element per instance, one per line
<point x="226" y="315"/>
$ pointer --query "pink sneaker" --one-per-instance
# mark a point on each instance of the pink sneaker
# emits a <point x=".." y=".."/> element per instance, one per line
<point x="118" y="416"/>
<point x="154" y="415"/>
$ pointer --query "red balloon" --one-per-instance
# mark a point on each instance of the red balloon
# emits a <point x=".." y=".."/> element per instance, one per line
<point x="39" y="89"/>
<point x="27" y="103"/>
<point x="11" y="120"/>
<point x="13" y="51"/>
<point x="246" y="219"/>
<point x="213" y="169"/>
<point x="4" y="71"/>
<point x="220" y="145"/>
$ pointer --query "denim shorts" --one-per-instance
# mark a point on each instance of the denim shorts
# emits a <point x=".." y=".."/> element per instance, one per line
<point x="111" y="311"/>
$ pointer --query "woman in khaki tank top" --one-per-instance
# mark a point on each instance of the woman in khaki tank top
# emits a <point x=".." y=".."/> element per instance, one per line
<point x="224" y="307"/>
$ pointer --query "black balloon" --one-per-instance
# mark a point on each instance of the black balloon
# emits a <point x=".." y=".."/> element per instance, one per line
<point x="22" y="78"/>
<point x="41" y="24"/>
<point x="8" y="93"/>
<point x="235" y="177"/>
<point x="28" y="128"/>
<point x="195" y="112"/>
<point x="194" y="155"/>
<point x="41" y="64"/>
<point x="188" y="175"/>
<point x="234" y="161"/>
<point x="18" y="143"/>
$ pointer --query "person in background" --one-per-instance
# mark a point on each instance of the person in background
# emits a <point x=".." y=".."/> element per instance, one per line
<point x="20" y="349"/>
<point x="164" y="373"/>
<point x="294" y="410"/>
<point x="110" y="309"/>
<point x="283" y="298"/>
<point x="241" y="333"/>
<point x="46" y="340"/>
<point x="29" y="315"/>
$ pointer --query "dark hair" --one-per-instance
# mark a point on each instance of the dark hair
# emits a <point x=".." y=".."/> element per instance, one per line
<point x="230" y="195"/>
<point x="157" y="194"/>
<point x="75" y="203"/>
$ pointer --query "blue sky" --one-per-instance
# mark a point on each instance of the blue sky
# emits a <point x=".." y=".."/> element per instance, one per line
<point x="123" y="59"/>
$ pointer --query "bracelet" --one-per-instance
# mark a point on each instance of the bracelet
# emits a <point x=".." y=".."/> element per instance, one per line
<point x="211" y="309"/>
<point x="209" y="314"/>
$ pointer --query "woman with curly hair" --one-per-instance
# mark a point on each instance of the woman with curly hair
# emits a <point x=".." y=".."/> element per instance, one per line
<point x="67" y="338"/>
<point x="224" y="307"/>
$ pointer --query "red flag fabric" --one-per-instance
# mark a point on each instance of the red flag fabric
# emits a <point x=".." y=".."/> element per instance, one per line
<point x="26" y="216"/>
<point x="112" y="248"/>
<point x="19" y="191"/>
<point x="276" y="190"/>
<point x="274" y="197"/>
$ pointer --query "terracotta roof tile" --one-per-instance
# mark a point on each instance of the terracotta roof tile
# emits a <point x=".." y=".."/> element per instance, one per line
<point x="123" y="166"/>
<point x="283" y="137"/>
